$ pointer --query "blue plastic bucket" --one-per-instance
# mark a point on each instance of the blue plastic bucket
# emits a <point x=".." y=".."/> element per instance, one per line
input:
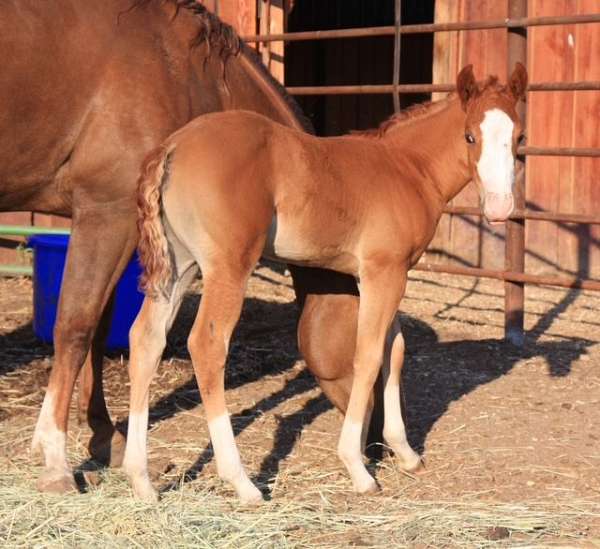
<point x="50" y="252"/>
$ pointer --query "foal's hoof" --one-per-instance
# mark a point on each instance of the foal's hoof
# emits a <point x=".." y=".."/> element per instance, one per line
<point x="144" y="491"/>
<point x="413" y="465"/>
<point x="366" y="487"/>
<point x="108" y="448"/>
<point x="56" y="482"/>
<point x="417" y="469"/>
<point x="250" y="496"/>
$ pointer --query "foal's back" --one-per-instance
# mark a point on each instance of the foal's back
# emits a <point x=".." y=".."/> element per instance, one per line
<point x="315" y="199"/>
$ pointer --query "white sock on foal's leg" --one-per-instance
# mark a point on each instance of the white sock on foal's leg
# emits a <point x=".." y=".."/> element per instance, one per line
<point x="349" y="450"/>
<point x="394" y="432"/>
<point x="229" y="464"/>
<point x="135" y="463"/>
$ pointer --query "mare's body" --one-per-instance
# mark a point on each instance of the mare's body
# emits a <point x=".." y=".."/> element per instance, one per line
<point x="87" y="89"/>
<point x="229" y="187"/>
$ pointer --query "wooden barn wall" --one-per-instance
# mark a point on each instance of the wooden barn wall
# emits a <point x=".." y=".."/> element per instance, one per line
<point x="564" y="119"/>
<point x="355" y="60"/>
<point x="555" y="119"/>
<point x="466" y="240"/>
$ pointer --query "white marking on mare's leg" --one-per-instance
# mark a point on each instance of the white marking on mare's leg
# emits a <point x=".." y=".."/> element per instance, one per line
<point x="394" y="431"/>
<point x="52" y="442"/>
<point x="229" y="464"/>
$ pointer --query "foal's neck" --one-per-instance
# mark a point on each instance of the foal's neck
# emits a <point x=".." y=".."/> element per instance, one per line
<point x="437" y="140"/>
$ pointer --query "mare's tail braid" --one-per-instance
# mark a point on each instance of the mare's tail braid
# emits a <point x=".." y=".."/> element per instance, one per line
<point x="153" y="247"/>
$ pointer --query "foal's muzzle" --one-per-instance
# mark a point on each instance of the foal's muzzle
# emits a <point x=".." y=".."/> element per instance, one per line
<point x="497" y="207"/>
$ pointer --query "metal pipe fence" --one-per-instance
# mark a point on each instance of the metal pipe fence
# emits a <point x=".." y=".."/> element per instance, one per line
<point x="513" y="275"/>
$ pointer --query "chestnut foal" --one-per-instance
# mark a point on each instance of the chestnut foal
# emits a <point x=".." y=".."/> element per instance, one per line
<point x="229" y="187"/>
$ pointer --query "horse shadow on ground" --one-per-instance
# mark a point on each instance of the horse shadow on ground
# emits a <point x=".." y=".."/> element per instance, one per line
<point x="20" y="347"/>
<point x="435" y="374"/>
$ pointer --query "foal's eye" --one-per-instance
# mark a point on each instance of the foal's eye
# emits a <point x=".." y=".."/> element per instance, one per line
<point x="469" y="138"/>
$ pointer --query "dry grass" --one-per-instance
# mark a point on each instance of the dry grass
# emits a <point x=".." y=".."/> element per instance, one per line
<point x="509" y="436"/>
<point x="107" y="516"/>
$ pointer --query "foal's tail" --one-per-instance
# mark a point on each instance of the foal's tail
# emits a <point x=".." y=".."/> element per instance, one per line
<point x="153" y="247"/>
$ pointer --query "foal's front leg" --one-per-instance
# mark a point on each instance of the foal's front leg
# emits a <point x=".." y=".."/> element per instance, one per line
<point x="382" y="288"/>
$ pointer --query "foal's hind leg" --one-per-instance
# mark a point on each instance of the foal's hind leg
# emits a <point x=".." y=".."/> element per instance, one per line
<point x="394" y="431"/>
<point x="147" y="338"/>
<point x="208" y="343"/>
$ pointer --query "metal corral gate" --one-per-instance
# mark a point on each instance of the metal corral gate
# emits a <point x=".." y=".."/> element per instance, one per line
<point x="513" y="275"/>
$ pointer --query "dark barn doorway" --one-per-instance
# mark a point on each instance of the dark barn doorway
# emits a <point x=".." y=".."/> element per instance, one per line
<point x="356" y="60"/>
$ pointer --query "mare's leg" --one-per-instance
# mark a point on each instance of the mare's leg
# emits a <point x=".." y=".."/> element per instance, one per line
<point x="394" y="431"/>
<point x="107" y="443"/>
<point x="148" y="337"/>
<point x="382" y="288"/>
<point x="102" y="241"/>
<point x="329" y="304"/>
<point x="208" y="343"/>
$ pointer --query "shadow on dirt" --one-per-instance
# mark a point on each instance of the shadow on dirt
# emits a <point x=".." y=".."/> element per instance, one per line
<point x="435" y="373"/>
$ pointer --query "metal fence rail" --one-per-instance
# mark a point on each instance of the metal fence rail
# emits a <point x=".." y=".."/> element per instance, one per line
<point x="513" y="275"/>
<point x="510" y="23"/>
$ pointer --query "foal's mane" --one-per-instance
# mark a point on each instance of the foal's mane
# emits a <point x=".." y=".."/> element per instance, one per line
<point x="223" y="38"/>
<point x="420" y="110"/>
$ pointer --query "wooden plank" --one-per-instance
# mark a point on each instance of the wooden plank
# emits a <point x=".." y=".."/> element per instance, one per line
<point x="240" y="14"/>
<point x="445" y="45"/>
<point x="585" y="180"/>
<point x="549" y="178"/>
<point x="445" y="69"/>
<point x="473" y="242"/>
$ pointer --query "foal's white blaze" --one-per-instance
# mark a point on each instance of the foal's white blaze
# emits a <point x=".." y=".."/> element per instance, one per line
<point x="50" y="439"/>
<point x="229" y="464"/>
<point x="496" y="165"/>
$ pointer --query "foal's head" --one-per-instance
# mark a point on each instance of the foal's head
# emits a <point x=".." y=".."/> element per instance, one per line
<point x="492" y="132"/>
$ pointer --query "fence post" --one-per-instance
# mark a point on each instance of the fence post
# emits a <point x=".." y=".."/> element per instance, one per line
<point x="397" y="42"/>
<point x="514" y="292"/>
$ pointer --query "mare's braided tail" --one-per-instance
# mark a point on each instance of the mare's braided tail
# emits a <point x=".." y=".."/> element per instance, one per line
<point x="153" y="247"/>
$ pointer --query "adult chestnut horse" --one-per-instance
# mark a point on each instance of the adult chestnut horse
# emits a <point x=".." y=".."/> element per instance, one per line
<point x="229" y="187"/>
<point x="87" y="89"/>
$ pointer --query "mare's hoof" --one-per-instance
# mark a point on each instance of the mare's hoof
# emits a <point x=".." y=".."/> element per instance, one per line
<point x="108" y="448"/>
<point x="56" y="482"/>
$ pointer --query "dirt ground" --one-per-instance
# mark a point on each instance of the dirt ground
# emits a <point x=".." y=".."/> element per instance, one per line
<point x="497" y="425"/>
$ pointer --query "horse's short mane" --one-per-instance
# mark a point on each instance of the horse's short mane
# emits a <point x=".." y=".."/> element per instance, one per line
<point x="420" y="109"/>
<point x="224" y="39"/>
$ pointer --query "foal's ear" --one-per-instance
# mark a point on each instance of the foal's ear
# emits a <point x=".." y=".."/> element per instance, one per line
<point x="517" y="83"/>
<point x="466" y="85"/>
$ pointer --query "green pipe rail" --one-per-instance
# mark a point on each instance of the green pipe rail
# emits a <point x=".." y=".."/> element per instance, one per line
<point x="25" y="230"/>
<point x="30" y="230"/>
